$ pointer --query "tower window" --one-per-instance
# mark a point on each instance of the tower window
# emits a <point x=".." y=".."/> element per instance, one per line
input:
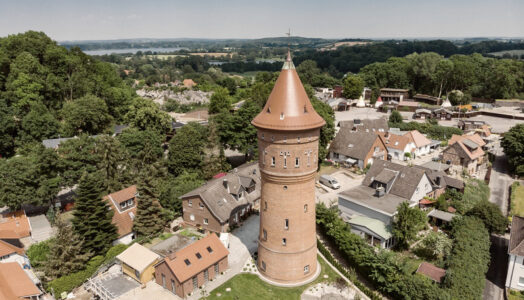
<point x="285" y="162"/>
<point x="262" y="136"/>
<point x="282" y="116"/>
<point x="284" y="241"/>
<point x="190" y="203"/>
<point x="285" y="139"/>
<point x="206" y="221"/>
<point x="265" y="205"/>
<point x="285" y="187"/>
<point x="297" y="162"/>
<point x="264" y="234"/>
<point x="305" y="207"/>
<point x="306" y="269"/>
<point x="272" y="138"/>
<point x="273" y="161"/>
<point x="286" y="224"/>
<point x="298" y="139"/>
<point x="263" y="265"/>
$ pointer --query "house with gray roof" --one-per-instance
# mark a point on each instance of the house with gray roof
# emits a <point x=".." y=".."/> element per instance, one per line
<point x="357" y="148"/>
<point x="384" y="188"/>
<point x="366" y="125"/>
<point x="223" y="201"/>
<point x="515" y="275"/>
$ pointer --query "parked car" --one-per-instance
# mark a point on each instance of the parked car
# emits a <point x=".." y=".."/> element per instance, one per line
<point x="329" y="182"/>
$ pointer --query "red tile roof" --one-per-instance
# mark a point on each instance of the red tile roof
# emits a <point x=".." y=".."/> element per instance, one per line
<point x="475" y="138"/>
<point x="394" y="141"/>
<point x="16" y="224"/>
<point x="14" y="282"/>
<point x="123" y="219"/>
<point x="417" y="138"/>
<point x="179" y="267"/>
<point x="431" y="271"/>
<point x="6" y="249"/>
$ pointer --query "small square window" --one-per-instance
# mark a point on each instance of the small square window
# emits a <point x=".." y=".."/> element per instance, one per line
<point x="521" y="281"/>
<point x="201" y="205"/>
<point x="306" y="269"/>
<point x="209" y="250"/>
<point x="273" y="160"/>
<point x="286" y="224"/>
<point x="206" y="221"/>
<point x="192" y="217"/>
<point x="284" y="241"/>
<point x="187" y="262"/>
<point x="305" y="207"/>
<point x="190" y="203"/>
<point x="198" y="255"/>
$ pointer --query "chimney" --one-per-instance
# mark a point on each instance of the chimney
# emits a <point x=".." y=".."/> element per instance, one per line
<point x="379" y="192"/>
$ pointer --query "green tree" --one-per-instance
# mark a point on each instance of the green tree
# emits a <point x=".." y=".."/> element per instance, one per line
<point x="148" y="211"/>
<point x="491" y="215"/>
<point x="186" y="149"/>
<point x="457" y="97"/>
<point x="353" y="86"/>
<point x="8" y="130"/>
<point x="307" y="70"/>
<point x="111" y="163"/>
<point x="38" y="124"/>
<point x="214" y="158"/>
<point x="92" y="219"/>
<point x="66" y="254"/>
<point x="395" y="117"/>
<point x="144" y="114"/>
<point x="144" y="146"/>
<point x="220" y="101"/>
<point x="88" y="114"/>
<point x="171" y="190"/>
<point x="77" y="156"/>
<point x="327" y="132"/>
<point x="513" y="144"/>
<point x="408" y="222"/>
<point x="436" y="245"/>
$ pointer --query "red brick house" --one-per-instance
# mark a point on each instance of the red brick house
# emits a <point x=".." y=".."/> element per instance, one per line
<point x="123" y="204"/>
<point x="185" y="271"/>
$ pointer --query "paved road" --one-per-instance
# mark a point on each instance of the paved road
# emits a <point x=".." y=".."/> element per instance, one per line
<point x="499" y="184"/>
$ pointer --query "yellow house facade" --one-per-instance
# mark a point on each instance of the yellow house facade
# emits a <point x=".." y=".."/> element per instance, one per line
<point x="138" y="262"/>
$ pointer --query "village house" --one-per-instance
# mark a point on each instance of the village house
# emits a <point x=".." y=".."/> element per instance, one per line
<point x="423" y="114"/>
<point x="11" y="250"/>
<point x="184" y="271"/>
<point x="223" y="202"/>
<point x="397" y="145"/>
<point x="384" y="188"/>
<point x="515" y="275"/>
<point x="365" y="125"/>
<point x="422" y="145"/>
<point x="123" y="205"/>
<point x="138" y="262"/>
<point x="471" y="126"/>
<point x="357" y="148"/>
<point x="14" y="225"/>
<point x="442" y="113"/>
<point x="465" y="151"/>
<point x="16" y="284"/>
<point x="397" y="95"/>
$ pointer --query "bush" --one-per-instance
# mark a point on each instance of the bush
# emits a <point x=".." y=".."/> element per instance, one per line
<point x="437" y="132"/>
<point x="491" y="215"/>
<point x="435" y="245"/>
<point x="37" y="253"/>
<point x="475" y="191"/>
<point x="69" y="282"/>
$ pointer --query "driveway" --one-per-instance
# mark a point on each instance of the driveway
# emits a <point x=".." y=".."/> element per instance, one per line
<point x="500" y="180"/>
<point x="346" y="179"/>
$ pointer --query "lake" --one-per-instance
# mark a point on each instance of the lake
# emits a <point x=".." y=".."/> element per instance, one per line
<point x="132" y="50"/>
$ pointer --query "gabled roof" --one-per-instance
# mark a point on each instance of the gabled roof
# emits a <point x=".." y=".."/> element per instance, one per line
<point x="185" y="264"/>
<point x="378" y="227"/>
<point x="15" y="283"/>
<point x="417" y="138"/>
<point x="441" y="215"/>
<point x="353" y="144"/>
<point x="138" y="257"/>
<point x="393" y="90"/>
<point x="433" y="272"/>
<point x="466" y="147"/>
<point x="394" y="141"/>
<point x="14" y="224"/>
<point x="405" y="183"/>
<point x="445" y="180"/>
<point x="288" y="106"/>
<point x="516" y="238"/>
<point x="7" y="249"/>
<point x="366" y="125"/>
<point x="123" y="219"/>
<point x="219" y="200"/>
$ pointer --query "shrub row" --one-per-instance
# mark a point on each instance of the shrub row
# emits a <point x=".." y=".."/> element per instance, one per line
<point x="351" y="276"/>
<point x="437" y="132"/>
<point x="384" y="269"/>
<point x="69" y="282"/>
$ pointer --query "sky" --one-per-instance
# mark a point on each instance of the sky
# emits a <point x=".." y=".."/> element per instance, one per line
<point x="118" y="19"/>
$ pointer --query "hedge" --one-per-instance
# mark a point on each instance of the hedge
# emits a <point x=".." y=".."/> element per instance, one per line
<point x="437" y="132"/>
<point x="69" y="282"/>
<point x="351" y="276"/>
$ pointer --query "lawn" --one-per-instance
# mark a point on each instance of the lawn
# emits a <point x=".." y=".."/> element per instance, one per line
<point x="249" y="286"/>
<point x="517" y="200"/>
<point x="515" y="295"/>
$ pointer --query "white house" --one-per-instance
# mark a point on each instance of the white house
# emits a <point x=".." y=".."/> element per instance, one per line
<point x="515" y="275"/>
<point x="397" y="145"/>
<point x="421" y="143"/>
<point x="371" y="207"/>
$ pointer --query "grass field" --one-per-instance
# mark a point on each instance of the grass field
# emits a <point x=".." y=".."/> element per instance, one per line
<point x="517" y="200"/>
<point x="515" y="295"/>
<point x="250" y="287"/>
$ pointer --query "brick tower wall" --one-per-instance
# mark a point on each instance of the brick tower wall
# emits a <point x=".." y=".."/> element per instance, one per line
<point x="288" y="193"/>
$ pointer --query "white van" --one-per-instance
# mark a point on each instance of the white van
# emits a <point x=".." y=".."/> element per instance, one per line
<point x="329" y="182"/>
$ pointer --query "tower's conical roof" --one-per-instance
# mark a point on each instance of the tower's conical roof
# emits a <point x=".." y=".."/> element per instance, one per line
<point x="288" y="106"/>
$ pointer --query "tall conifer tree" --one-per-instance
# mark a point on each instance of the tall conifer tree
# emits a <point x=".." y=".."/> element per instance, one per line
<point x="148" y="220"/>
<point x="66" y="253"/>
<point x="92" y="217"/>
